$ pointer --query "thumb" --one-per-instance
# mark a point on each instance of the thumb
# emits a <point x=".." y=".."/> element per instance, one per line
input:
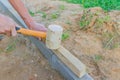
<point x="13" y="31"/>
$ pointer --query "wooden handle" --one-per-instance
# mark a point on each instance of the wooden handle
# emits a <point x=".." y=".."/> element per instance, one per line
<point x="37" y="34"/>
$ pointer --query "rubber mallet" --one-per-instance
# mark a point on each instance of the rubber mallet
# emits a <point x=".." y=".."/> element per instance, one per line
<point x="53" y="35"/>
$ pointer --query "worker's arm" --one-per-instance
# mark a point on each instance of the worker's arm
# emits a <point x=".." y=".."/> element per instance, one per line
<point x="21" y="9"/>
<point x="7" y="25"/>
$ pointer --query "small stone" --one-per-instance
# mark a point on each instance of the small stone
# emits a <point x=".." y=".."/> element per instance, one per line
<point x="51" y="77"/>
<point x="77" y="40"/>
<point x="32" y="61"/>
<point x="43" y="63"/>
<point x="35" y="75"/>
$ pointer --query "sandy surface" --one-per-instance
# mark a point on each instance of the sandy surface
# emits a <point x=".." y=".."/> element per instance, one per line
<point x="21" y="60"/>
<point x="88" y="46"/>
<point x="25" y="63"/>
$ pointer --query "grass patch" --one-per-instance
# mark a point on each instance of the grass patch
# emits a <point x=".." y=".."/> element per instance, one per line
<point x="105" y="4"/>
<point x="111" y="40"/>
<point x="62" y="7"/>
<point x="68" y="22"/>
<point x="31" y="13"/>
<point x="98" y="58"/>
<point x="85" y="20"/>
<point x="65" y="35"/>
<point x="10" y="47"/>
<point x="55" y="15"/>
<point x="109" y="36"/>
<point x="43" y="14"/>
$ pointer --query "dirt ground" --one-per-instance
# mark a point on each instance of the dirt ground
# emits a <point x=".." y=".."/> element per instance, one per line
<point x="95" y="44"/>
<point x="21" y="60"/>
<point x="92" y="44"/>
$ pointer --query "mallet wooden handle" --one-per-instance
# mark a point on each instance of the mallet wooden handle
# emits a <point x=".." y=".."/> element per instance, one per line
<point x="37" y="34"/>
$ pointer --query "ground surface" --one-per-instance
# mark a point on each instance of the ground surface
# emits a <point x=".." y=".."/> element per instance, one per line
<point x="22" y="61"/>
<point x="95" y="43"/>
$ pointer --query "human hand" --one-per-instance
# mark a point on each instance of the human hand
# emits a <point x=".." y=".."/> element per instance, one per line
<point x="7" y="26"/>
<point x="38" y="27"/>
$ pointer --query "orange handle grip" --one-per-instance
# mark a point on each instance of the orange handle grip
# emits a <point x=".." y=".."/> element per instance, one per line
<point x="37" y="34"/>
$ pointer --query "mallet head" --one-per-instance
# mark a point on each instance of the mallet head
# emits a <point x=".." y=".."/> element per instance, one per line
<point x="54" y="36"/>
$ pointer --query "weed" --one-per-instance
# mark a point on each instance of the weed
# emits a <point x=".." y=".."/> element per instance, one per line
<point x="106" y="18"/>
<point x="116" y="45"/>
<point x="98" y="58"/>
<point x="108" y="43"/>
<point x="31" y="13"/>
<point x="10" y="47"/>
<point x="103" y="19"/>
<point x="100" y="20"/>
<point x="62" y="7"/>
<point x="85" y="20"/>
<point x="55" y="15"/>
<point x="111" y="40"/>
<point x="65" y="35"/>
<point x="44" y="15"/>
<point x="68" y="22"/>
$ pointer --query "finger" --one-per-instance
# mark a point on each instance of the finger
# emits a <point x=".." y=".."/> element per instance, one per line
<point x="40" y="27"/>
<point x="13" y="32"/>
<point x="12" y="28"/>
<point x="8" y="33"/>
<point x="2" y="31"/>
<point x="7" y="30"/>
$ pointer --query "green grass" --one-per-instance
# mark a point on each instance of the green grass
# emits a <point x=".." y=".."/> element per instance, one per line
<point x="31" y="13"/>
<point x="85" y="20"/>
<point x="65" y="36"/>
<point x="11" y="46"/>
<point x="111" y="41"/>
<point x="55" y="15"/>
<point x="98" y="58"/>
<point x="43" y="14"/>
<point x="105" y="4"/>
<point x="62" y="7"/>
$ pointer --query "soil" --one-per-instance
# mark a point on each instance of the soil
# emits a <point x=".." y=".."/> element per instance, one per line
<point x="21" y="60"/>
<point x="95" y="43"/>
